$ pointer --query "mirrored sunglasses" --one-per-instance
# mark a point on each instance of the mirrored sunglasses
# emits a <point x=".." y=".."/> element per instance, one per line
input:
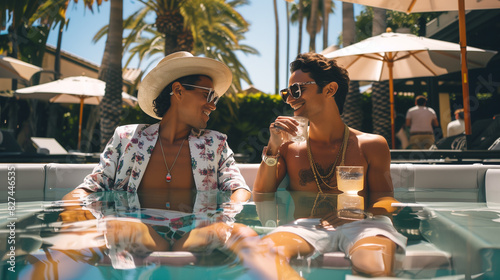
<point x="294" y="90"/>
<point x="211" y="96"/>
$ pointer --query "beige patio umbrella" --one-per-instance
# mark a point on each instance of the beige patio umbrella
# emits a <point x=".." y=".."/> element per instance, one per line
<point x="420" y="6"/>
<point x="11" y="68"/>
<point x="80" y="90"/>
<point x="392" y="56"/>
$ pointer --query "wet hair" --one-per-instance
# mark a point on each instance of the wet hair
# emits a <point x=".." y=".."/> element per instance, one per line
<point x="162" y="103"/>
<point x="421" y="100"/>
<point x="324" y="71"/>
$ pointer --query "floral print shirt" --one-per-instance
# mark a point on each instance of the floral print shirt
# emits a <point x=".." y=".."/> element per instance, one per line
<point x="126" y="156"/>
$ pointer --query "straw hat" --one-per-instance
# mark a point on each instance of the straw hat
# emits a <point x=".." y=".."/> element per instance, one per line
<point x="178" y="65"/>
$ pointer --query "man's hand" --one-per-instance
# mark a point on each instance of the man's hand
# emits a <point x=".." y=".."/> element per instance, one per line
<point x="240" y="195"/>
<point x="279" y="131"/>
<point x="73" y="211"/>
<point x="75" y="215"/>
<point x="133" y="236"/>
<point x="204" y="238"/>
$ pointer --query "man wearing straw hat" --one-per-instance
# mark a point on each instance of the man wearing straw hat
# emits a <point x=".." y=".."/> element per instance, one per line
<point x="178" y="152"/>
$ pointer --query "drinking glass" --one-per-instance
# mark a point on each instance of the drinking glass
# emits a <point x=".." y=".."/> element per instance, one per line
<point x="301" y="132"/>
<point x="350" y="206"/>
<point x="350" y="179"/>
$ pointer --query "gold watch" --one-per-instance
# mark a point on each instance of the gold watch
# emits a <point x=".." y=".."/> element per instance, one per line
<point x="269" y="160"/>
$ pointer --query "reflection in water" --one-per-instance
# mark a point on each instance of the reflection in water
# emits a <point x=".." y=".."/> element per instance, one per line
<point x="350" y="206"/>
<point x="314" y="228"/>
<point x="112" y="232"/>
<point x="111" y="228"/>
<point x="350" y="201"/>
<point x="282" y="207"/>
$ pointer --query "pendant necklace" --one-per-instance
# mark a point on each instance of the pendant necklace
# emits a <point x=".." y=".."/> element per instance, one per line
<point x="169" y="176"/>
<point x="313" y="164"/>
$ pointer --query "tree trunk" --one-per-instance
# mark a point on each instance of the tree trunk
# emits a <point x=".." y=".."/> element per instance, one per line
<point x="57" y="56"/>
<point x="327" y="5"/>
<point x="110" y="107"/>
<point x="277" y="51"/>
<point x="13" y="106"/>
<point x="52" y="124"/>
<point x="301" y="21"/>
<point x="381" y="107"/>
<point x="90" y="131"/>
<point x="353" y="111"/>
<point x="381" y="110"/>
<point x="348" y="25"/>
<point x="287" y="40"/>
<point x="313" y="25"/>
<point x="379" y="21"/>
<point x="170" y="44"/>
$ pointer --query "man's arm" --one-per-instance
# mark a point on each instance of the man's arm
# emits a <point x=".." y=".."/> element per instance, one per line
<point x="408" y="123"/>
<point x="270" y="176"/>
<point x="380" y="188"/>
<point x="240" y="195"/>
<point x="435" y="122"/>
<point x="229" y="175"/>
<point x="72" y="208"/>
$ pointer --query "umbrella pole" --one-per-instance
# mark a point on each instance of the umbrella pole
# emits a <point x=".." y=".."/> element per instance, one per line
<point x="465" y="74"/>
<point x="80" y="125"/>
<point x="391" y="98"/>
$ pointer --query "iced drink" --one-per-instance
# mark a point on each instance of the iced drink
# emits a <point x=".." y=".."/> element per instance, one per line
<point x="302" y="130"/>
<point x="350" y="179"/>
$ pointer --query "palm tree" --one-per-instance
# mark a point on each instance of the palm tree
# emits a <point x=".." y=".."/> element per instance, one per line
<point x="300" y="19"/>
<point x="353" y="113"/>
<point x="381" y="113"/>
<point x="45" y="12"/>
<point x="216" y="34"/>
<point x="51" y="13"/>
<point x="327" y="6"/>
<point x="287" y="7"/>
<point x="111" y="73"/>
<point x="175" y="19"/>
<point x="314" y="14"/>
<point x="313" y="25"/>
<point x="277" y="50"/>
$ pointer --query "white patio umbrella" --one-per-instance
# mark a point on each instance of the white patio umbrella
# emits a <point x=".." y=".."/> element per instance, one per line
<point x="420" y="6"/>
<point x="12" y="68"/>
<point x="392" y="56"/>
<point x="75" y="90"/>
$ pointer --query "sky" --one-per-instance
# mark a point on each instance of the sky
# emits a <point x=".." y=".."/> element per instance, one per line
<point x="83" y="25"/>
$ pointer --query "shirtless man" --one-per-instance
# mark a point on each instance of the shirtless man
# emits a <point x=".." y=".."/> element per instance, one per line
<point x="317" y="90"/>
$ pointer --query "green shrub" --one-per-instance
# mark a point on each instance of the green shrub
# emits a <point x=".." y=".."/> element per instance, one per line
<point x="245" y="119"/>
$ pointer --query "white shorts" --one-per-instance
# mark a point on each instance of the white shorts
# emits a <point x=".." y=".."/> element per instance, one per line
<point x="343" y="237"/>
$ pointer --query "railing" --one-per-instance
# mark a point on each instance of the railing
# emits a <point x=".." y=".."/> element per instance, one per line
<point x="445" y="156"/>
<point x="44" y="158"/>
<point x="397" y="156"/>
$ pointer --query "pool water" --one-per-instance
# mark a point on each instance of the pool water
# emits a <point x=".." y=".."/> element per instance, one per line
<point x="48" y="248"/>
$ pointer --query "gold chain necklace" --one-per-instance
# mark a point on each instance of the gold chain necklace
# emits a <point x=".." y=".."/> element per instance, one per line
<point x="313" y="164"/>
<point x="330" y="173"/>
<point x="169" y="176"/>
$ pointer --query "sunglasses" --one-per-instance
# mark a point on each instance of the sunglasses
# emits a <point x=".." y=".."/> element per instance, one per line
<point x="294" y="90"/>
<point x="211" y="96"/>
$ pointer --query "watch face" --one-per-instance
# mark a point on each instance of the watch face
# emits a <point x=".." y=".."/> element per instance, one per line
<point x="271" y="161"/>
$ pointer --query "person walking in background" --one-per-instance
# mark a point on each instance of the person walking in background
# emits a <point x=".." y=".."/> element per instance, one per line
<point x="421" y="120"/>
<point x="458" y="125"/>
